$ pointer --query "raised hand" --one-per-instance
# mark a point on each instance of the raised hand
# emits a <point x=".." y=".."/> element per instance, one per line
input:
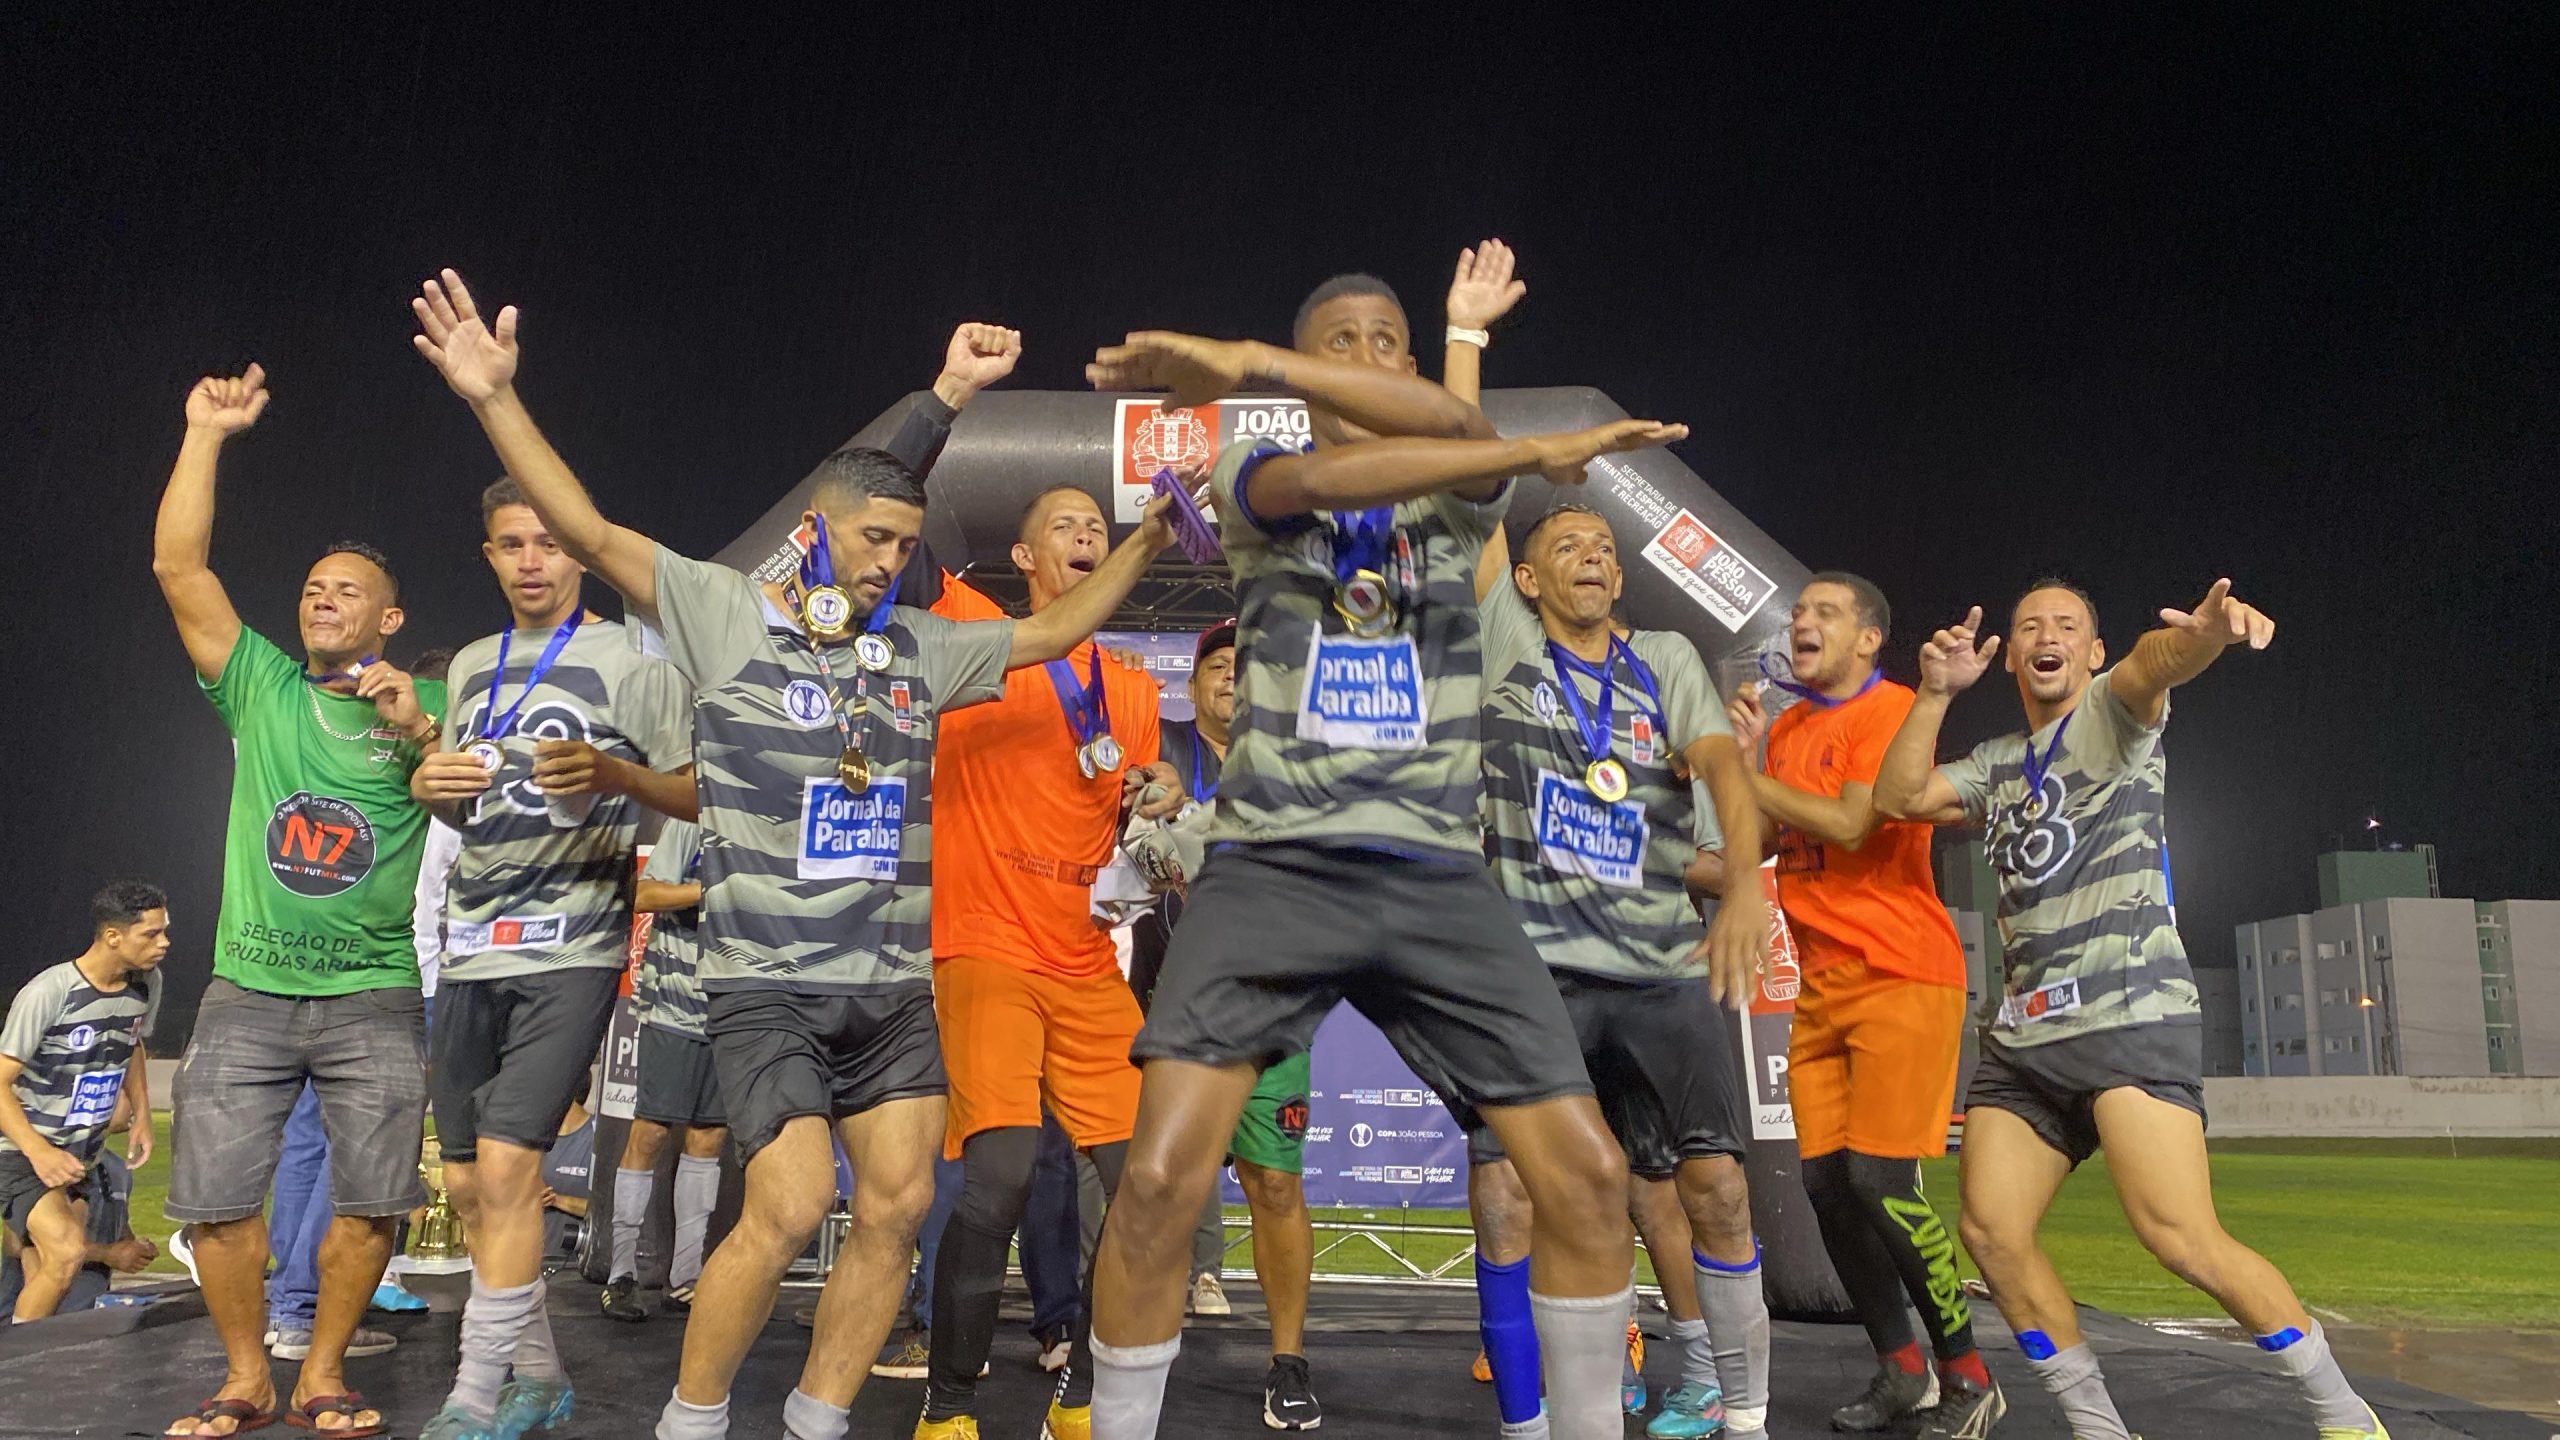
<point x="1949" y="662"/>
<point x="2222" y="621"/>
<point x="1155" y="527"/>
<point x="1483" y="291"/>
<point x="476" y="359"/>
<point x="1749" y="719"/>
<point x="1561" y="456"/>
<point x="227" y="407"/>
<point x="1195" y="370"/>
<point x="977" y="357"/>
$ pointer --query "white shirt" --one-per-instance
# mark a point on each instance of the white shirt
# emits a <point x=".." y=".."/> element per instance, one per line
<point x="426" y="917"/>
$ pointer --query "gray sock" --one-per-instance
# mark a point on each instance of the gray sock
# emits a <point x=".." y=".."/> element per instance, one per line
<point x="1128" y="1388"/>
<point x="1582" y="1345"/>
<point x="697" y="1190"/>
<point x="1697" y="1354"/>
<point x="493" y="1321"/>
<point x="2307" y="1359"/>
<point x="680" y="1421"/>
<point x="1737" y="1318"/>
<point x="806" y="1417"/>
<point x="2072" y="1375"/>
<point x="537" y="1354"/>
<point x="630" y="1211"/>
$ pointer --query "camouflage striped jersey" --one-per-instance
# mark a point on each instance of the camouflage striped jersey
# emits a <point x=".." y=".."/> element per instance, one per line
<point x="1597" y="886"/>
<point x="71" y="1040"/>
<point x="1340" y="740"/>
<point x="531" y="893"/>
<point x="808" y="884"/>
<point x="668" y="990"/>
<point x="2088" y="923"/>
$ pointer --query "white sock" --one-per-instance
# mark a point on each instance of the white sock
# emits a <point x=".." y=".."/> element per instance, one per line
<point x="1128" y="1387"/>
<point x="806" y="1417"/>
<point x="2306" y="1358"/>
<point x="1531" y="1429"/>
<point x="1582" y="1344"/>
<point x="680" y="1421"/>
<point x="2073" y="1379"/>
<point x="697" y="1190"/>
<point x="1737" y="1319"/>
<point x="630" y="1211"/>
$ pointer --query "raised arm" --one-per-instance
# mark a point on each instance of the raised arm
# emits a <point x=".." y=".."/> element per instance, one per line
<point x="1738" y="938"/>
<point x="2187" y="642"/>
<point x="1845" y="820"/>
<point x="1378" y="399"/>
<point x="1481" y="292"/>
<point x="182" y="538"/>
<point x="479" y="362"/>
<point x="1908" y="785"/>
<point x="1069" y="620"/>
<point x="1383" y="472"/>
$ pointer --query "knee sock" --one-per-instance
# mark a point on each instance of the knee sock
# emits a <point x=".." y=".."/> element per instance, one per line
<point x="492" y="1322"/>
<point x="630" y="1211"/>
<point x="2072" y="1377"/>
<point x="680" y="1421"/>
<point x="1075" y="1383"/>
<point x="1510" y="1337"/>
<point x="1128" y="1387"/>
<point x="1583" y="1342"/>
<point x="806" y="1417"/>
<point x="537" y="1354"/>
<point x="1737" y="1315"/>
<point x="1858" y="1254"/>
<point x="1923" y="1254"/>
<point x="968" y="1272"/>
<point x="2307" y="1359"/>
<point x="697" y="1191"/>
<point x="1697" y="1354"/>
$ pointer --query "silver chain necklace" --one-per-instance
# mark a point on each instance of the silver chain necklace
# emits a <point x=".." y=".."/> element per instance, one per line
<point x="334" y="732"/>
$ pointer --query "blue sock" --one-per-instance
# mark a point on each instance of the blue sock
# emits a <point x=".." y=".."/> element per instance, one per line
<point x="1510" y="1337"/>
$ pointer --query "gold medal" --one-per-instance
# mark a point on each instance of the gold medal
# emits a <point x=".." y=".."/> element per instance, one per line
<point x="1362" y="602"/>
<point x="1102" y="756"/>
<point x="854" y="769"/>
<point x="1607" y="779"/>
<point x="873" y="651"/>
<point x="826" y="612"/>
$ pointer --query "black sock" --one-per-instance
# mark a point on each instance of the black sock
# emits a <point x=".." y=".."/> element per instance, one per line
<point x="1075" y="1387"/>
<point x="968" y="1270"/>
<point x="1922" y="1251"/>
<point x="1858" y="1255"/>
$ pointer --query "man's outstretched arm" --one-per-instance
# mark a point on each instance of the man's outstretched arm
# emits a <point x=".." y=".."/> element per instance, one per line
<point x="1383" y="472"/>
<point x="182" y="538"/>
<point x="2187" y="642"/>
<point x="1379" y="400"/>
<point x="1066" y="622"/>
<point x="1481" y="292"/>
<point x="479" y="361"/>
<point x="1908" y="783"/>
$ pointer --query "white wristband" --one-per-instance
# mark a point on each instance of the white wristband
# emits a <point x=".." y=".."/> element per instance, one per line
<point x="1460" y="335"/>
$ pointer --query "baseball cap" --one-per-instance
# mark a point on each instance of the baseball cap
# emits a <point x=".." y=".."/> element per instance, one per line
<point x="1221" y="636"/>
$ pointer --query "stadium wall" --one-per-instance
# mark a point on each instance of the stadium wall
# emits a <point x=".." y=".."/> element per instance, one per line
<point x="2380" y="1106"/>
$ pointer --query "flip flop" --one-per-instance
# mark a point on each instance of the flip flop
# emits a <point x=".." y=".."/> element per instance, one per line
<point x="244" y="1416"/>
<point x="306" y="1416"/>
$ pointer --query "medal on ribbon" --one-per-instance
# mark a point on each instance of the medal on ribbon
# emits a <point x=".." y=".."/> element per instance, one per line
<point x="854" y="769"/>
<point x="491" y="758"/>
<point x="872" y="650"/>
<point x="1361" y="594"/>
<point x="1802" y="691"/>
<point x="1098" y="753"/>
<point x="1603" y="774"/>
<point x="826" y="611"/>
<point x="494" y="727"/>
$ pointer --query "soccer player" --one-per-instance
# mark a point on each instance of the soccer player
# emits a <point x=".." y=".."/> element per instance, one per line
<point x="2098" y="1042"/>
<point x="1347" y="808"/>
<point x="1029" y="795"/>
<point x="817" y="703"/>
<point x="566" y="731"/>
<point x="1595" y="745"/>
<point x="315" y="977"/>
<point x="1871" y="1061"/>
<point x="73" y="1035"/>
<point x="678" y="1090"/>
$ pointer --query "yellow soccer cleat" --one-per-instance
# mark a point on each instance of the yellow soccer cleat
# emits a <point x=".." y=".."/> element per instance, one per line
<point x="1066" y="1422"/>
<point x="958" y="1427"/>
<point x="2373" y="1431"/>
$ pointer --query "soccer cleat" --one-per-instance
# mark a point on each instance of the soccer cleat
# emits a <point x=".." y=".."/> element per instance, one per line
<point x="1691" y="1410"/>
<point x="958" y="1427"/>
<point x="1482" y="1370"/>
<point x="1065" y="1422"/>
<point x="621" y="1300"/>
<point x="680" y="1297"/>
<point x="1288" y="1400"/>
<point x="907" y="1358"/>
<point x="451" y="1423"/>
<point x="390" y="1297"/>
<point x="1892" y="1396"/>
<point x="525" y="1406"/>
<point x="1631" y="1383"/>
<point x="2352" y="1432"/>
<point x="1056" y="1344"/>
<point x="1964" y="1411"/>
<point x="1208" y="1297"/>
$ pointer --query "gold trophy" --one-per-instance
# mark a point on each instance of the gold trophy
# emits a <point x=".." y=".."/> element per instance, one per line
<point x="438" y="1233"/>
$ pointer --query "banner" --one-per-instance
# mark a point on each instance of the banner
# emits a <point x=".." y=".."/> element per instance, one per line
<point x="1765" y="1028"/>
<point x="1376" y="1136"/>
<point x="621" y="1060"/>
<point x="1168" y="657"/>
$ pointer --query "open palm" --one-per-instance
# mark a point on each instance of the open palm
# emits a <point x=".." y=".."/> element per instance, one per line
<point x="475" y="359"/>
<point x="1483" y="290"/>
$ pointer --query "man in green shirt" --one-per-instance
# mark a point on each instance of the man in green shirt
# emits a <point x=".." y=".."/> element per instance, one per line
<point x="314" y="975"/>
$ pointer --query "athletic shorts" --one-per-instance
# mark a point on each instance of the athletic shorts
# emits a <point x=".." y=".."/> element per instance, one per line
<point x="1666" y="1063"/>
<point x="1871" y="1062"/>
<point x="511" y="1053"/>
<point x="366" y="1056"/>
<point x="677" y="1085"/>
<point x="2055" y="1086"/>
<point x="1272" y="1132"/>
<point x="782" y="1054"/>
<point x="1275" y="934"/>
<point x="1013" y="1038"/>
<point x="21" y="1190"/>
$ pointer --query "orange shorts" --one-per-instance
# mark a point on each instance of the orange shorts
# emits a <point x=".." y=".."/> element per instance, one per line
<point x="1012" y="1040"/>
<point x="1871" y="1062"/>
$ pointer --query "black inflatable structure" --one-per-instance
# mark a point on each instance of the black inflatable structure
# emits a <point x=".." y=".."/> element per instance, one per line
<point x="1693" y="564"/>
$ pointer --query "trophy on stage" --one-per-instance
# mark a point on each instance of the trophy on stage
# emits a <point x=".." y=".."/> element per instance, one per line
<point x="438" y="1233"/>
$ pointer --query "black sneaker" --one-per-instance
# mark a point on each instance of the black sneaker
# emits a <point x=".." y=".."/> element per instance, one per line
<point x="1892" y="1397"/>
<point x="1288" y="1401"/>
<point x="1964" y="1411"/>
<point x="622" y="1300"/>
<point x="905" y="1358"/>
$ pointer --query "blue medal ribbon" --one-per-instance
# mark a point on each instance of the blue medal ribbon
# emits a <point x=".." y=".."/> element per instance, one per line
<point x="1088" y="711"/>
<point x="492" y="724"/>
<point x="1807" y="692"/>
<point x="1360" y="542"/>
<point x="310" y="677"/>
<point x="2035" y="767"/>
<point x="1597" y="736"/>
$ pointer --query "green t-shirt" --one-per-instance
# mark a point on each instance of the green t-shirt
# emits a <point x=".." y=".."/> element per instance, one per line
<point x="320" y="867"/>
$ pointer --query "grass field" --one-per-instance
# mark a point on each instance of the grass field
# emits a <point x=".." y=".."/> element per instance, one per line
<point x="2379" y="1233"/>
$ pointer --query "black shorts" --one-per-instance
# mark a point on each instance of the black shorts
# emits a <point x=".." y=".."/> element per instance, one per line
<point x="782" y="1054"/>
<point x="508" y="1054"/>
<point x="1273" y="935"/>
<point x="2055" y="1086"/>
<point x="677" y="1085"/>
<point x="1666" y="1064"/>
<point x="20" y="1192"/>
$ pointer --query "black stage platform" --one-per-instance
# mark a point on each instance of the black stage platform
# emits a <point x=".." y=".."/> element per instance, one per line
<point x="1390" y="1364"/>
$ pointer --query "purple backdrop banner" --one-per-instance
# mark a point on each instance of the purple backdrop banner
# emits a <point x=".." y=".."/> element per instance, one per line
<point x="1376" y="1136"/>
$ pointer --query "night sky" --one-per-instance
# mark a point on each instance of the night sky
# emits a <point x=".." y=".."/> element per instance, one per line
<point x="2140" y="300"/>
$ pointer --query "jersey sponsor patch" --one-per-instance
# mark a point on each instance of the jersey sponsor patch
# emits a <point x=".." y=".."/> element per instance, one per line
<point x="849" y="835"/>
<point x="318" y="845"/>
<point x="93" y="1098"/>
<point x="806" y="702"/>
<point x="511" y="932"/>
<point x="1362" y="694"/>
<point x="1580" y="834"/>
<point x="2059" y="998"/>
